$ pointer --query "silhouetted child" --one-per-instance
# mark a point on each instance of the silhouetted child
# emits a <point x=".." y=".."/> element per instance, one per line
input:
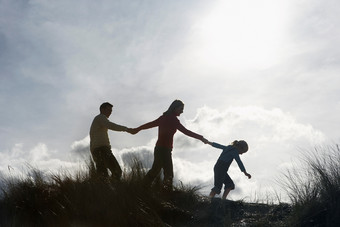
<point x="221" y="167"/>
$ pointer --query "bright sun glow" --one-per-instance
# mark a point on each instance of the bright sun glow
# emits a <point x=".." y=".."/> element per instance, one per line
<point x="240" y="34"/>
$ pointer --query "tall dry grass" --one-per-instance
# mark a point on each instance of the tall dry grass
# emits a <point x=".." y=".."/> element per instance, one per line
<point x="314" y="188"/>
<point x="88" y="200"/>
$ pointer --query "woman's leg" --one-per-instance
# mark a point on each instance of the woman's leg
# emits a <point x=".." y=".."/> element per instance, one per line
<point x="168" y="169"/>
<point x="155" y="169"/>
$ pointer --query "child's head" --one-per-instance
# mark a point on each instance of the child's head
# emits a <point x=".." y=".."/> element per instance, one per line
<point x="241" y="145"/>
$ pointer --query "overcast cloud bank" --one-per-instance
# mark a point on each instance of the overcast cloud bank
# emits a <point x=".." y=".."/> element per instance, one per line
<point x="260" y="70"/>
<point x="274" y="139"/>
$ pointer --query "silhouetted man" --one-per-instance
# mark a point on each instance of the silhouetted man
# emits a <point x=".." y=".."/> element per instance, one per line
<point x="100" y="144"/>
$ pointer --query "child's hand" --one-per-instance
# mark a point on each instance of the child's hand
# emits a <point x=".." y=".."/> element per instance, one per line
<point x="206" y="141"/>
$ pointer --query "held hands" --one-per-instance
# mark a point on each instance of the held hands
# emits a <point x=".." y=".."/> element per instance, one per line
<point x="204" y="140"/>
<point x="132" y="131"/>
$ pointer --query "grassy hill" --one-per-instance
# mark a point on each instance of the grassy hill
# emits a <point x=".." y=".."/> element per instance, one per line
<point x="86" y="200"/>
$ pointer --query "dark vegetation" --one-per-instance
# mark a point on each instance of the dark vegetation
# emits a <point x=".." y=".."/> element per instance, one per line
<point x="86" y="200"/>
<point x="314" y="189"/>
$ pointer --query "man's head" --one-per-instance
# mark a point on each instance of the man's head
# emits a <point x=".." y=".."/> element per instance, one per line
<point x="106" y="109"/>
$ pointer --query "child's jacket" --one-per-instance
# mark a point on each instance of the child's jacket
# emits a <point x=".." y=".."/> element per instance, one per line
<point x="228" y="154"/>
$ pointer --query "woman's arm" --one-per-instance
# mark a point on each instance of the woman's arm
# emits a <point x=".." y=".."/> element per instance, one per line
<point x="148" y="125"/>
<point x="187" y="132"/>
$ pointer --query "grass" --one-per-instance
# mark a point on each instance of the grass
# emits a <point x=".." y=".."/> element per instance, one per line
<point x="84" y="199"/>
<point x="314" y="190"/>
<point x="87" y="200"/>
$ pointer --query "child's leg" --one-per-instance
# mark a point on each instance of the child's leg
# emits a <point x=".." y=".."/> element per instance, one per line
<point x="219" y="175"/>
<point x="212" y="194"/>
<point x="228" y="186"/>
<point x="226" y="192"/>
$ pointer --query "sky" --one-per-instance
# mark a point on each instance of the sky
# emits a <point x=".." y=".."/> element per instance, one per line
<point x="259" y="70"/>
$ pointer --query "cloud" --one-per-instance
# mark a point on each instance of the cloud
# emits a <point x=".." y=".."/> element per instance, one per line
<point x="81" y="147"/>
<point x="60" y="60"/>
<point x="79" y="56"/>
<point x="19" y="160"/>
<point x="253" y="122"/>
<point x="142" y="55"/>
<point x="274" y="138"/>
<point x="141" y="154"/>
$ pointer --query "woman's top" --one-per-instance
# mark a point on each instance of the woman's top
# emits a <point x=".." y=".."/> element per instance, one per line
<point x="167" y="127"/>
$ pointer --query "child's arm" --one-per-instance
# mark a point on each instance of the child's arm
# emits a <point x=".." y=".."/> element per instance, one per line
<point x="239" y="163"/>
<point x="241" y="166"/>
<point x="217" y="145"/>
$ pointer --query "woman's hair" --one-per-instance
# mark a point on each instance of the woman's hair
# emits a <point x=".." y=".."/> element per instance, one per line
<point x="241" y="144"/>
<point x="173" y="106"/>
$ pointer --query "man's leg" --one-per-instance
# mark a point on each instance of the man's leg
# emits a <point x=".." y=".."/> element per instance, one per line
<point x="98" y="158"/>
<point x="112" y="164"/>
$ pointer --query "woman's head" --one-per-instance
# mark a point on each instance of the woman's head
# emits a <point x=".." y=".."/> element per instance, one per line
<point x="176" y="107"/>
<point x="241" y="145"/>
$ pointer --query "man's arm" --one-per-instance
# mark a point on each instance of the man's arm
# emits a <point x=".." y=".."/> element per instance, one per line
<point x="116" y="127"/>
<point x="112" y="126"/>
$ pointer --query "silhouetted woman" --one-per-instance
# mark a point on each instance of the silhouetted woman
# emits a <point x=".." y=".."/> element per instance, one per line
<point x="167" y="127"/>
